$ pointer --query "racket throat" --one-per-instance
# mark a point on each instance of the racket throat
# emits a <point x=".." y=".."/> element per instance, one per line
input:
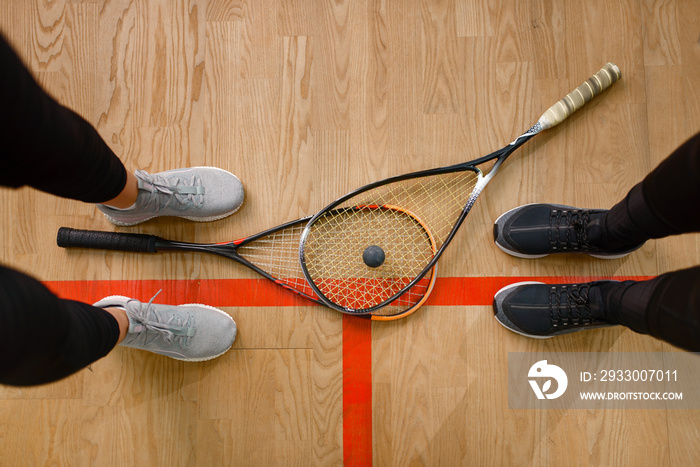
<point x="226" y="250"/>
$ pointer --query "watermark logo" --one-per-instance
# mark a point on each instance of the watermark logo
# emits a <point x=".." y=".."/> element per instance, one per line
<point x="546" y="373"/>
<point x="603" y="380"/>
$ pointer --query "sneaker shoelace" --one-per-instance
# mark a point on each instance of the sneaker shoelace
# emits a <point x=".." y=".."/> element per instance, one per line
<point x="178" y="192"/>
<point x="156" y="326"/>
<point x="575" y="310"/>
<point x="574" y="224"/>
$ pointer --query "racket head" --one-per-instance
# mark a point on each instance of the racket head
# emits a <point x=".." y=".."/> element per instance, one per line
<point x="436" y="203"/>
<point x="274" y="253"/>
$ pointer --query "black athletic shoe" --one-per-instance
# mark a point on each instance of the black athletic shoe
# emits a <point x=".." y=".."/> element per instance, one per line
<point x="538" y="310"/>
<point x="537" y="230"/>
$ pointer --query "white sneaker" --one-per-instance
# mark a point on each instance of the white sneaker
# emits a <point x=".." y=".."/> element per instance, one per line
<point x="190" y="332"/>
<point x="198" y="194"/>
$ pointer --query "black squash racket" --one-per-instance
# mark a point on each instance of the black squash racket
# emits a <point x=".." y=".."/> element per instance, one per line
<point x="441" y="198"/>
<point x="274" y="254"/>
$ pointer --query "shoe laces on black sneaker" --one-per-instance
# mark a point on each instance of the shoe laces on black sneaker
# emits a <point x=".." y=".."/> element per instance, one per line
<point x="570" y="306"/>
<point x="568" y="230"/>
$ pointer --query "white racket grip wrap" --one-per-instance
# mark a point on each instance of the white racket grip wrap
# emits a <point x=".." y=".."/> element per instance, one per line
<point x="606" y="77"/>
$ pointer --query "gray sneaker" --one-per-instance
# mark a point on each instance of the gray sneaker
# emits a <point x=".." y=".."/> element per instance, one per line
<point x="537" y="230"/>
<point x="190" y="332"/>
<point x="540" y="311"/>
<point x="198" y="194"/>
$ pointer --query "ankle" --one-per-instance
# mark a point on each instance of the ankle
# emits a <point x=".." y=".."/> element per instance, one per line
<point x="626" y="303"/>
<point x="600" y="236"/>
<point x="122" y="320"/>
<point x="127" y="197"/>
<point x="619" y="228"/>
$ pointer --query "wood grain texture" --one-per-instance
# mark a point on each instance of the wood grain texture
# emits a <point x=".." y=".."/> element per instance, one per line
<point x="305" y="100"/>
<point x="440" y="57"/>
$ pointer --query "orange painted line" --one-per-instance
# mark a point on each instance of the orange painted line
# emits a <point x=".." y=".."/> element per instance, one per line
<point x="213" y="292"/>
<point x="357" y="391"/>
<point x="449" y="291"/>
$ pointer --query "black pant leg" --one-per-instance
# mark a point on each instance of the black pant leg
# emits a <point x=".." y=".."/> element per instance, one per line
<point x="673" y="313"/>
<point x="46" y="145"/>
<point x="666" y="202"/>
<point x="666" y="307"/>
<point x="672" y="190"/>
<point x="44" y="338"/>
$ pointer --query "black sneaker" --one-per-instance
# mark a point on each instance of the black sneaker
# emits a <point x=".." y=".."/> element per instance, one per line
<point x="537" y="230"/>
<point x="538" y="310"/>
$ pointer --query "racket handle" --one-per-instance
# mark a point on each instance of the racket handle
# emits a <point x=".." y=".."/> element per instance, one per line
<point x="74" y="238"/>
<point x="577" y="98"/>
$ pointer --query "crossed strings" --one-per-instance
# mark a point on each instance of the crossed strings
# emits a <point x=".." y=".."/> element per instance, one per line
<point x="429" y="205"/>
<point x="278" y="254"/>
<point x="425" y="207"/>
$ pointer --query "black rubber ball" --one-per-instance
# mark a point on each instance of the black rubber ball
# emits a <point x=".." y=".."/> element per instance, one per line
<point x="373" y="256"/>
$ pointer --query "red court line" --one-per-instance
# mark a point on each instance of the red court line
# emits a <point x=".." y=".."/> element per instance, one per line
<point x="357" y="391"/>
<point x="357" y="332"/>
<point x="449" y="291"/>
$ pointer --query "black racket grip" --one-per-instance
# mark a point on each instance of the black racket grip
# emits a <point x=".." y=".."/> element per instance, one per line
<point x="74" y="238"/>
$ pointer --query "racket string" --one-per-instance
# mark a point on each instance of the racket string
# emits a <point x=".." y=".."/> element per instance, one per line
<point x="333" y="249"/>
<point x="345" y="278"/>
<point x="278" y="254"/>
<point x="342" y="275"/>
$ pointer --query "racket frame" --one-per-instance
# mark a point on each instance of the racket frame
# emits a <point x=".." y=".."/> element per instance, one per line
<point x="500" y="155"/>
<point x="229" y="249"/>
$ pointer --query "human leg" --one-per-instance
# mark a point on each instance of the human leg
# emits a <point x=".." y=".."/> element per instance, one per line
<point x="664" y="203"/>
<point x="48" y="146"/>
<point x="666" y="307"/>
<point x="51" y="148"/>
<point x="44" y="338"/>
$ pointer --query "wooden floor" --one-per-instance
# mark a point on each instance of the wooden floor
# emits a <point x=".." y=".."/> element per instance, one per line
<point x="305" y="100"/>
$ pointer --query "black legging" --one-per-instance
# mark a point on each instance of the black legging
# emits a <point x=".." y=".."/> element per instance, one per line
<point x="666" y="202"/>
<point x="44" y="338"/>
<point x="49" y="147"/>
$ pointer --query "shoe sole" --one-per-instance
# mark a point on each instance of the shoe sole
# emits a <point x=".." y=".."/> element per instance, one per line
<point x="195" y="219"/>
<point x="526" y="256"/>
<point x="123" y="298"/>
